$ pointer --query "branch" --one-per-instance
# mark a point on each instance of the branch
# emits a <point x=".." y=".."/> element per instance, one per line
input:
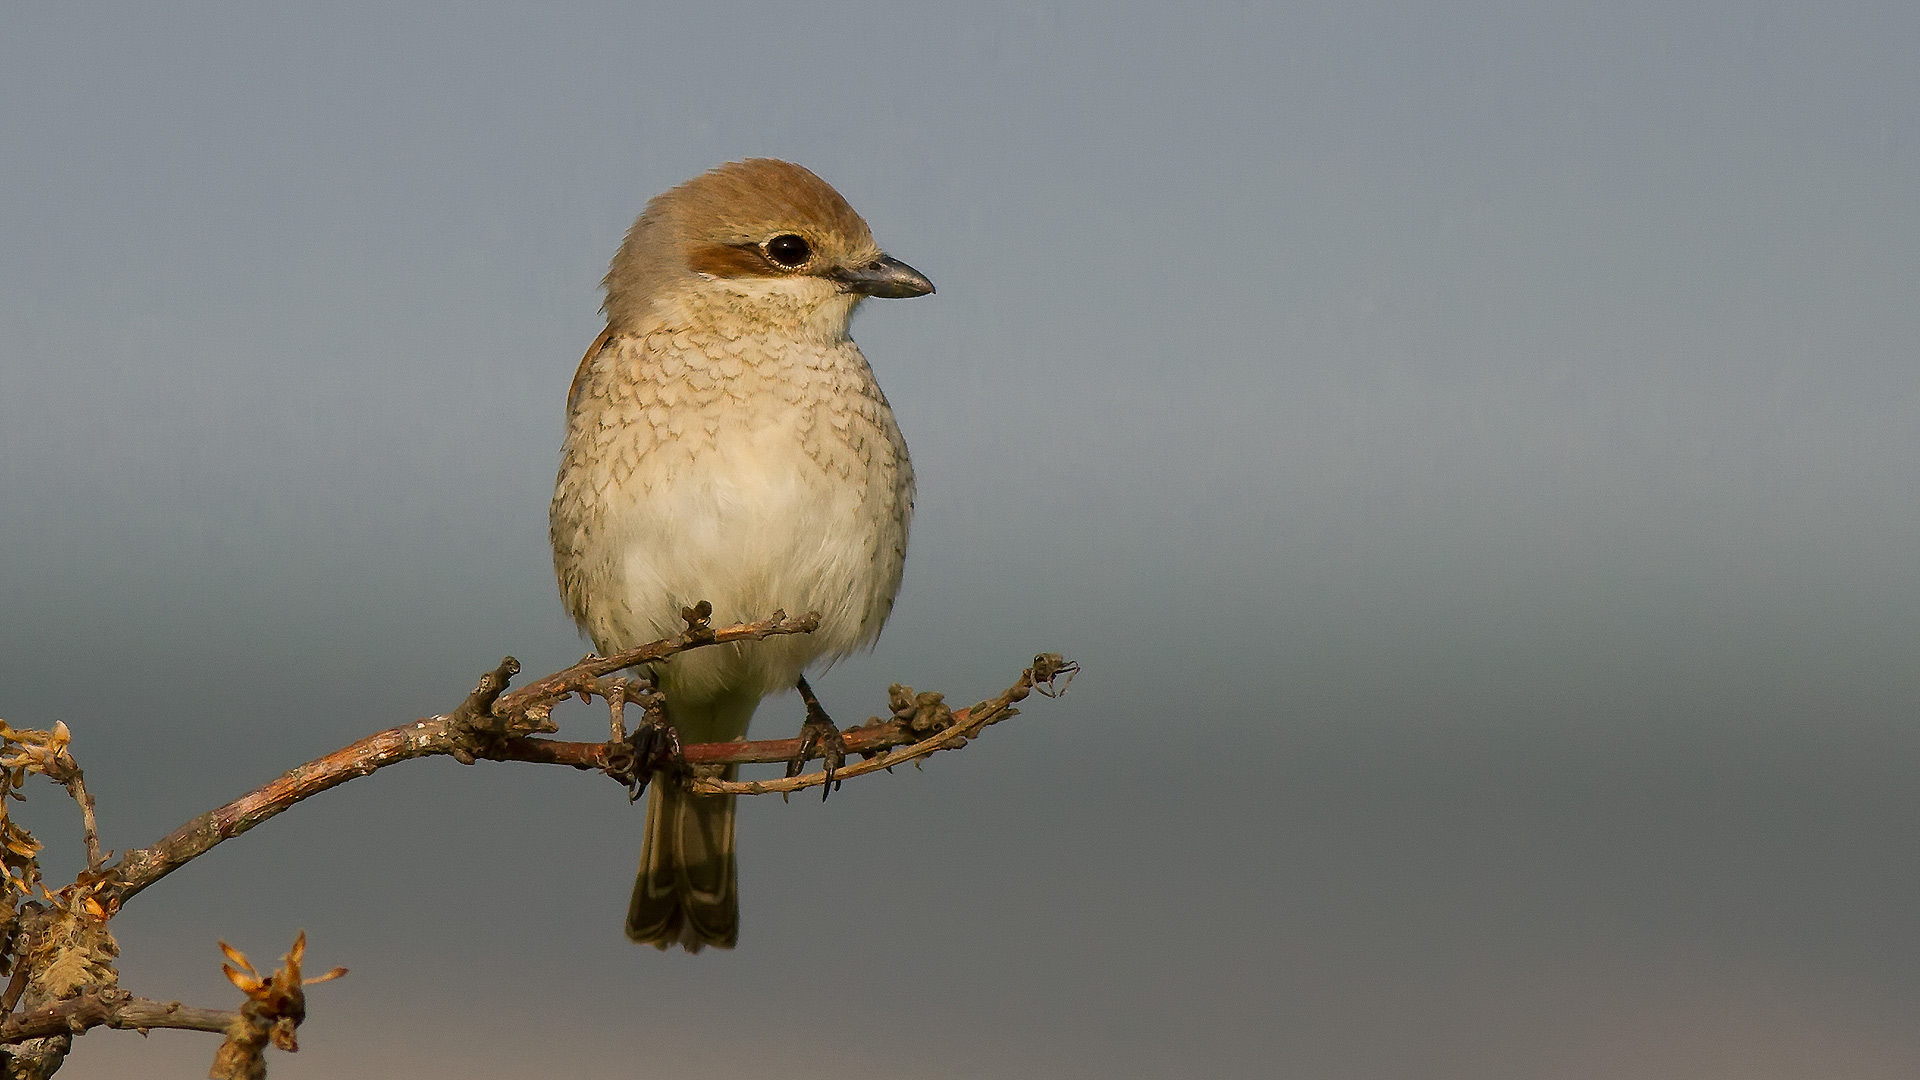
<point x="582" y="678"/>
<point x="70" y="939"/>
<point x="111" y="1008"/>
<point x="63" y="770"/>
<point x="488" y="724"/>
<point x="913" y="717"/>
<point x="960" y="728"/>
<point x="494" y="725"/>
<point x="63" y="955"/>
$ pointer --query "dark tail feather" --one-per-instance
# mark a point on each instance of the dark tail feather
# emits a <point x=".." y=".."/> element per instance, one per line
<point x="687" y="892"/>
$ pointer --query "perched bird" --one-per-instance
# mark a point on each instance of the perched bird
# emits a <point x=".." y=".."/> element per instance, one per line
<point x="726" y="441"/>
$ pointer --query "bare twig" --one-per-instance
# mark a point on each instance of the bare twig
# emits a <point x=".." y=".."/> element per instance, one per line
<point x="494" y="725"/>
<point x="66" y="773"/>
<point x="914" y="716"/>
<point x="488" y="724"/>
<point x="111" y="1008"/>
<point x="16" y="986"/>
<point x="142" y="867"/>
<point x="963" y="726"/>
<point x="91" y="826"/>
<point x="456" y="735"/>
<point x="869" y="739"/>
<point x="581" y="677"/>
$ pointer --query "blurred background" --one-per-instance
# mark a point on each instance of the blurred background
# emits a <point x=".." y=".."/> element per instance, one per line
<point x="1472" y="451"/>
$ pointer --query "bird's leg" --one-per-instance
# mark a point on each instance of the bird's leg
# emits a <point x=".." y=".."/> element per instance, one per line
<point x="819" y="736"/>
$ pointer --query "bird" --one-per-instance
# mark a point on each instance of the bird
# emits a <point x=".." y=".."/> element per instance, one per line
<point x="727" y="442"/>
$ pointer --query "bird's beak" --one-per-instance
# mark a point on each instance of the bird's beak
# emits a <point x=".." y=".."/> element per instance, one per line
<point x="884" y="277"/>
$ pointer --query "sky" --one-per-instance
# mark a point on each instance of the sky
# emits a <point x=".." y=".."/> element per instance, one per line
<point x="1470" y="448"/>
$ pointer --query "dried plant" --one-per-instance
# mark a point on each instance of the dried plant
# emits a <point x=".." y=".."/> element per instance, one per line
<point x="275" y="1006"/>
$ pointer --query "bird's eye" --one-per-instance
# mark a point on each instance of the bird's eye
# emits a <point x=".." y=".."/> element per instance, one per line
<point x="789" y="250"/>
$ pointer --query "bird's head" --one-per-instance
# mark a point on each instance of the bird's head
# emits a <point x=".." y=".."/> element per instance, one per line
<point x="760" y="241"/>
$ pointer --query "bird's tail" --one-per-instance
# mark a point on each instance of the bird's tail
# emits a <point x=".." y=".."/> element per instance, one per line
<point x="687" y="892"/>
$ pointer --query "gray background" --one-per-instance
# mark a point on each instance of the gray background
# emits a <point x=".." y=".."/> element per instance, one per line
<point x="1472" y="451"/>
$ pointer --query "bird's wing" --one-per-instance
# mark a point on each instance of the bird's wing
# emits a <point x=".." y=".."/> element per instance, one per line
<point x="586" y="362"/>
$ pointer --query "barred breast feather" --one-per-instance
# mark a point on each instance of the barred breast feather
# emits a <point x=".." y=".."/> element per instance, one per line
<point x="754" y="471"/>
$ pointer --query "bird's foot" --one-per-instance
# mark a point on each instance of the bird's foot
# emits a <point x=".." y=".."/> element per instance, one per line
<point x="653" y="749"/>
<point x="819" y="737"/>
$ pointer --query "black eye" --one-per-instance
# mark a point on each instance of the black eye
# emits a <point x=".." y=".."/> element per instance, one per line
<point x="789" y="250"/>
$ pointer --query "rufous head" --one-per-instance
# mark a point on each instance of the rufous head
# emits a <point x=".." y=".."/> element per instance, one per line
<point x="759" y="236"/>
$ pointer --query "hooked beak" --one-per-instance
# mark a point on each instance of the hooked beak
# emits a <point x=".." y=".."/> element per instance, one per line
<point x="886" y="277"/>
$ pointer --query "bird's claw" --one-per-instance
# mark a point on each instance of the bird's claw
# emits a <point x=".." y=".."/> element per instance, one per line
<point x="654" y="749"/>
<point x="819" y="737"/>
